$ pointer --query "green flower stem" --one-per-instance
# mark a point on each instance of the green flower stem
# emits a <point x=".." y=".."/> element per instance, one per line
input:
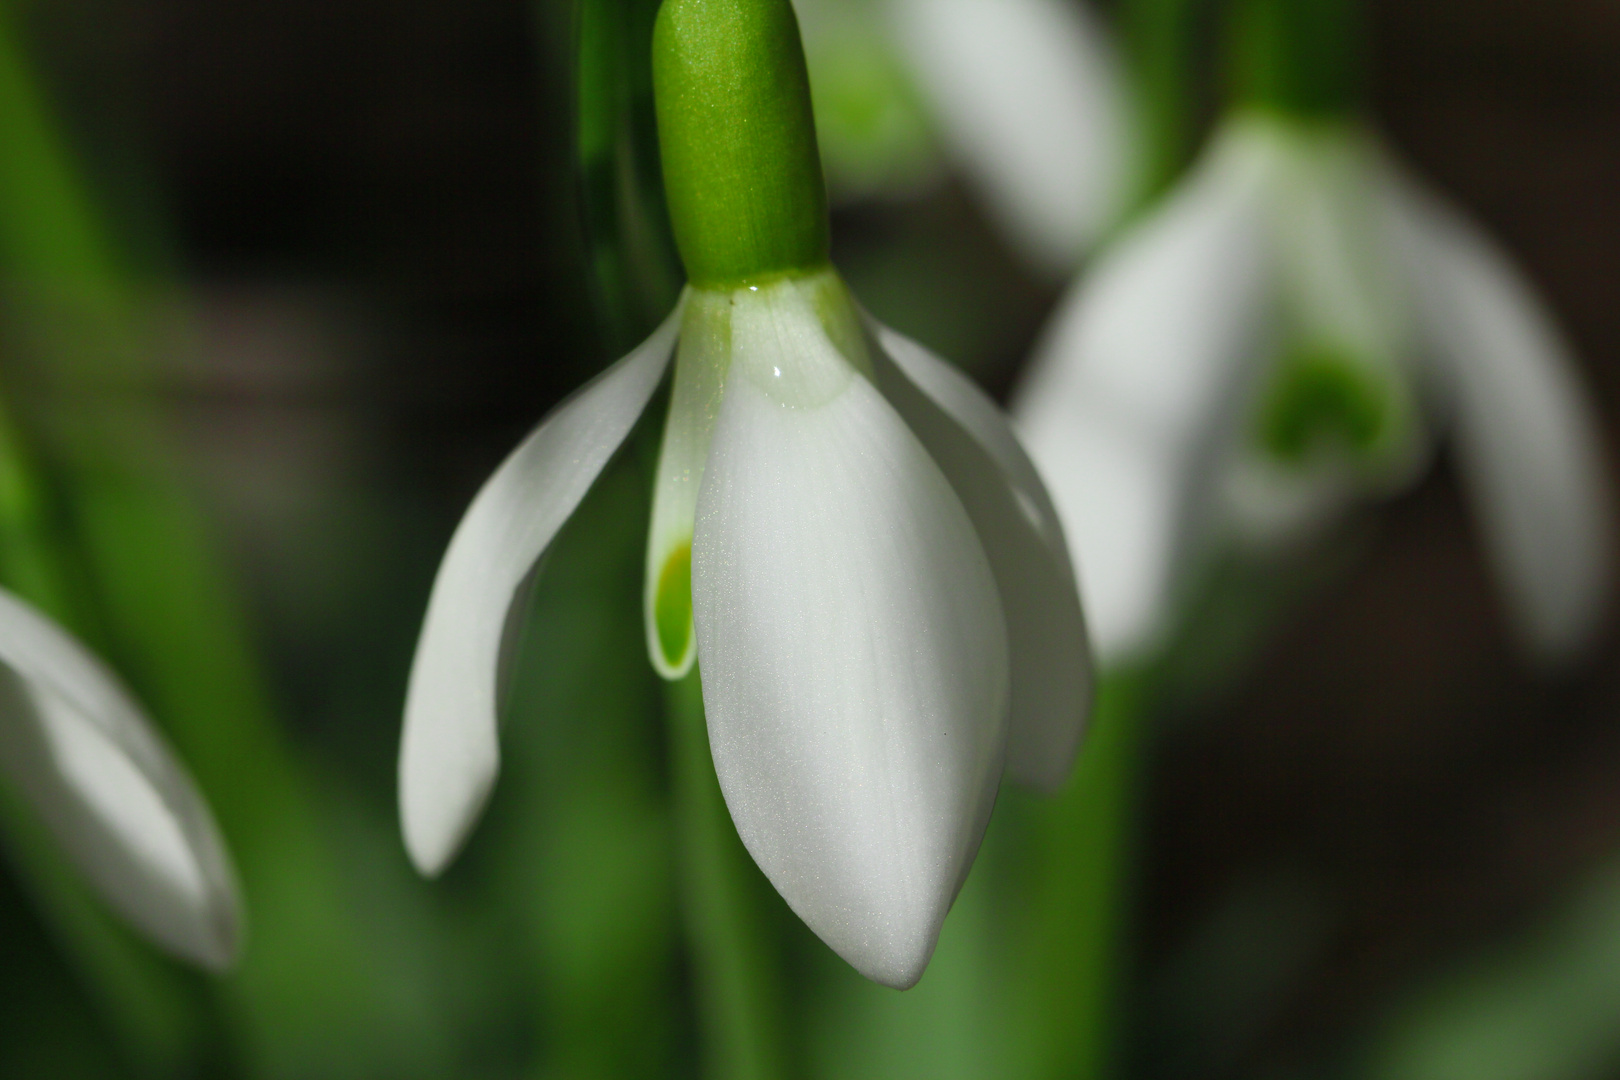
<point x="57" y="238"/>
<point x="1301" y="57"/>
<point x="741" y="170"/>
<point x="1161" y="37"/>
<point x="1071" y="961"/>
<point x="725" y="910"/>
<point x="637" y="275"/>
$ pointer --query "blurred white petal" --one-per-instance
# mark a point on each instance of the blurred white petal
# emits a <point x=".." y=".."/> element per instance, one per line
<point x="449" y="755"/>
<point x="968" y="436"/>
<point x="852" y="647"/>
<point x="1269" y="507"/>
<point x="1139" y="377"/>
<point x="110" y="790"/>
<point x="871" y="123"/>
<point x="1526" y="435"/>
<point x="1030" y="98"/>
<point x="1339" y="281"/>
<point x="1339" y="304"/>
<point x="700" y="367"/>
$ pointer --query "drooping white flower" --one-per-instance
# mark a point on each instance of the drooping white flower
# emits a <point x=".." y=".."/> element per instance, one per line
<point x="77" y="748"/>
<point x="848" y="536"/>
<point x="1027" y="97"/>
<point x="1288" y="332"/>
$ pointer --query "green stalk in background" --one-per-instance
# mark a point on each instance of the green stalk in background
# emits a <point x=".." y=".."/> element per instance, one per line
<point x="1304" y="58"/>
<point x="1074" y="897"/>
<point x="726" y="906"/>
<point x="1161" y="39"/>
<point x="583" y="846"/>
<point x="310" y="997"/>
<point x="627" y="236"/>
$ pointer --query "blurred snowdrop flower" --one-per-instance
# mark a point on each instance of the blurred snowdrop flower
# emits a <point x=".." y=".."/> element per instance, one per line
<point x="1286" y="334"/>
<point x="872" y="123"/>
<point x="1027" y="96"/>
<point x="78" y="749"/>
<point x="844" y="531"/>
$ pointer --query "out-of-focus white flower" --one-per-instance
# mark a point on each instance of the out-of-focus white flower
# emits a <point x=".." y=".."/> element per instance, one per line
<point x="79" y="750"/>
<point x="846" y="532"/>
<point x="1026" y="96"/>
<point x="873" y="126"/>
<point x="1285" y="334"/>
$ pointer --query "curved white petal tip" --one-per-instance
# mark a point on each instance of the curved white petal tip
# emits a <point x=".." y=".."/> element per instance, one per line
<point x="1132" y="386"/>
<point x="1527" y="435"/>
<point x="1030" y="97"/>
<point x="449" y="753"/>
<point x="78" y="748"/>
<point x="853" y="652"/>
<point x="968" y="436"/>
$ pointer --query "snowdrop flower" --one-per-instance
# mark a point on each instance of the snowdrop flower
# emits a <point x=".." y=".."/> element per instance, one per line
<point x="844" y="531"/>
<point x="1288" y="332"/>
<point x="1028" y="97"/>
<point x="77" y="748"/>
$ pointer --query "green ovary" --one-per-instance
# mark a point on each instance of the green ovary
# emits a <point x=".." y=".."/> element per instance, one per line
<point x="1322" y="400"/>
<point x="672" y="605"/>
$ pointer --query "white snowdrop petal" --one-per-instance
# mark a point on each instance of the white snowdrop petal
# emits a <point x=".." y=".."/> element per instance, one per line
<point x="1138" y="379"/>
<point x="449" y="754"/>
<point x="969" y="438"/>
<point x="78" y="748"/>
<point x="1340" y="305"/>
<point x="1030" y="98"/>
<point x="852" y="647"/>
<point x="1526" y="435"/>
<point x="1338" y="276"/>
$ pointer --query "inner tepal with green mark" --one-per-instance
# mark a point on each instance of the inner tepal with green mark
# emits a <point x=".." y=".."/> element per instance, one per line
<point x="1323" y="400"/>
<point x="672" y="607"/>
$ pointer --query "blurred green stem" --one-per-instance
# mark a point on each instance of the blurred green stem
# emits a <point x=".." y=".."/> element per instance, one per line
<point x="635" y="271"/>
<point x="1302" y="57"/>
<point x="1161" y="36"/>
<point x="1072" y="960"/>
<point x="735" y="959"/>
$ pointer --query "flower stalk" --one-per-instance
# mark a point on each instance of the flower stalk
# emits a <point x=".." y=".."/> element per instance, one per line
<point x="738" y="139"/>
<point x="725" y="909"/>
<point x="1073" y="957"/>
<point x="635" y="272"/>
<point x="1303" y="58"/>
<point x="1161" y="37"/>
